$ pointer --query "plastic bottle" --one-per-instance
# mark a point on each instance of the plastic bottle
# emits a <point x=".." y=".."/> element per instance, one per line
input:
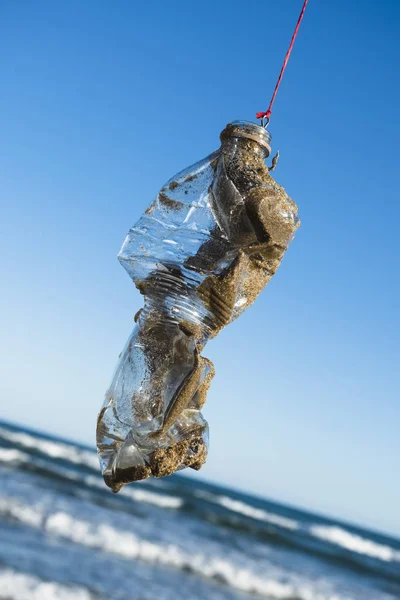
<point x="200" y="255"/>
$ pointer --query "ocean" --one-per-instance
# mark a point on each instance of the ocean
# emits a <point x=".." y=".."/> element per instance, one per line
<point x="65" y="536"/>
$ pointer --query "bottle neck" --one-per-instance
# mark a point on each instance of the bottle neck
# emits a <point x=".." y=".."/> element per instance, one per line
<point x="247" y="136"/>
<point x="232" y="146"/>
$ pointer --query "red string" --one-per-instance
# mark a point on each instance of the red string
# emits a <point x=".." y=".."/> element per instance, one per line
<point x="268" y="112"/>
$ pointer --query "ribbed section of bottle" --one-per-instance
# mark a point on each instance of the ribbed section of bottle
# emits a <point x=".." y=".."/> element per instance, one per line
<point x="176" y="300"/>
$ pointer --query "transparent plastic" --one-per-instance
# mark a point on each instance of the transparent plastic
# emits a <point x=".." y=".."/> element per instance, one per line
<point x="200" y="255"/>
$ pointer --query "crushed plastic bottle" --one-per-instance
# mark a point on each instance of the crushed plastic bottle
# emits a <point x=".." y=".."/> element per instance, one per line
<point x="200" y="255"/>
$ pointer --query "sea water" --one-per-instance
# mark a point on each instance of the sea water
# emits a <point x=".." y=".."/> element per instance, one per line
<point x="65" y="536"/>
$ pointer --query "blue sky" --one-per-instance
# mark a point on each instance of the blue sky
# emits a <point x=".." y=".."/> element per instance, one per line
<point x="101" y="103"/>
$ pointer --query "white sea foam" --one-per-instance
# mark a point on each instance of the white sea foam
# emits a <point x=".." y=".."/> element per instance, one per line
<point x="153" y="498"/>
<point x="355" y="543"/>
<point x="12" y="455"/>
<point x="253" y="512"/>
<point x="19" y="586"/>
<point x="141" y="495"/>
<point x="52" y="448"/>
<point x="30" y="515"/>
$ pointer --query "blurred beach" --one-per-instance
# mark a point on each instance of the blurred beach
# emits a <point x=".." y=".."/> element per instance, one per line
<point x="65" y="536"/>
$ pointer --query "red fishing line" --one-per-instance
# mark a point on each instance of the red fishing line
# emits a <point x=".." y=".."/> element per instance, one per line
<point x="268" y="112"/>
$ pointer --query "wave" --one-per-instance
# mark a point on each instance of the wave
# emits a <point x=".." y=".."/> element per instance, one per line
<point x="128" y="545"/>
<point x="249" y="511"/>
<point x="140" y="495"/>
<point x="257" y="513"/>
<point x="19" y="586"/>
<point x="104" y="537"/>
<point x="57" y="450"/>
<point x="355" y="543"/>
<point x="153" y="498"/>
<point x="359" y="547"/>
<point x="29" y="515"/>
<point x="12" y="455"/>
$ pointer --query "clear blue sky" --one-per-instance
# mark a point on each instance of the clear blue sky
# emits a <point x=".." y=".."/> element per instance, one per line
<point x="101" y="102"/>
